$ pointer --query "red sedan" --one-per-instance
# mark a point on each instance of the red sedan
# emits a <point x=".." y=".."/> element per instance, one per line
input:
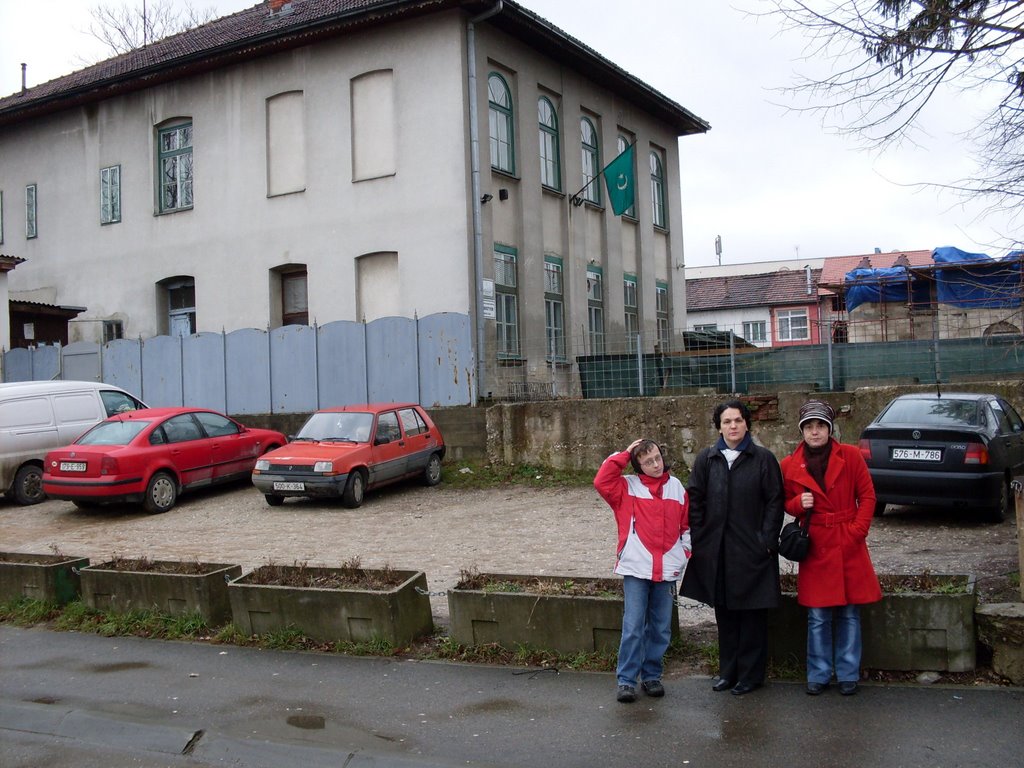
<point x="153" y="454"/>
<point x="345" y="451"/>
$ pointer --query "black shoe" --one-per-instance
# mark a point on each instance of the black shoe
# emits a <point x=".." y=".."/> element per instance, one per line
<point x="653" y="688"/>
<point x="848" y="688"/>
<point x="722" y="684"/>
<point x="815" y="689"/>
<point x="741" y="688"/>
<point x="626" y="694"/>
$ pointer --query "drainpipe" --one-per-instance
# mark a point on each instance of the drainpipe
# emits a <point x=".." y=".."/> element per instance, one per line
<point x="474" y="160"/>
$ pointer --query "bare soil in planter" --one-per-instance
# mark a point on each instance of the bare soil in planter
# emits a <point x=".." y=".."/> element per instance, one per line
<point x="349" y="576"/>
<point x="15" y="557"/>
<point x="900" y="583"/>
<point x="145" y="565"/>
<point x="536" y="586"/>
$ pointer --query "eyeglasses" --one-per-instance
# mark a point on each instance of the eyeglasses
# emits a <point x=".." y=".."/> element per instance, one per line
<point x="651" y="462"/>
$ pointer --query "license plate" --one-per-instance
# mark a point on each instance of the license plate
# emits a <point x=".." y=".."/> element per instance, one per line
<point x="72" y="466"/>
<point x="289" y="486"/>
<point x="917" y="454"/>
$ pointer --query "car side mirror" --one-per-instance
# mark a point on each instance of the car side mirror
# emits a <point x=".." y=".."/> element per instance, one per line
<point x="381" y="440"/>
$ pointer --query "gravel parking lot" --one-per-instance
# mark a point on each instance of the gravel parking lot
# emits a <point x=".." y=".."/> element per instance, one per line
<point x="443" y="531"/>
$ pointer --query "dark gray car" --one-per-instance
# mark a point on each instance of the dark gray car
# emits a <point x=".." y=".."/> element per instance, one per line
<point x="957" y="449"/>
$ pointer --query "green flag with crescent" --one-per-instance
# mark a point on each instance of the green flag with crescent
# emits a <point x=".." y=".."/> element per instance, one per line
<point x="620" y="179"/>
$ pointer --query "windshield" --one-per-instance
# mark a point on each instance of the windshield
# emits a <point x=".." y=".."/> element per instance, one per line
<point x="113" y="433"/>
<point x="343" y="427"/>
<point x="940" y="412"/>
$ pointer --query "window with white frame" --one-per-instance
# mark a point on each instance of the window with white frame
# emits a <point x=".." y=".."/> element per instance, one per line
<point x="112" y="329"/>
<point x="181" y="307"/>
<point x="657" y="190"/>
<point x="591" y="161"/>
<point x="632" y="316"/>
<point x="174" y="164"/>
<point x="661" y="309"/>
<point x="755" y="330"/>
<point x="705" y="327"/>
<point x="595" y="309"/>
<point x="500" y="124"/>
<point x="792" y="325"/>
<point x="506" y="300"/>
<point x="550" y="162"/>
<point x="110" y="194"/>
<point x="294" y="300"/>
<point x="622" y="143"/>
<point x="554" y="309"/>
<point x="31" y="229"/>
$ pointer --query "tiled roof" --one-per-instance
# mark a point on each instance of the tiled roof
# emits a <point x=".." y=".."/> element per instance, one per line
<point x="256" y="32"/>
<point x="770" y="289"/>
<point x="7" y="263"/>
<point x="836" y="267"/>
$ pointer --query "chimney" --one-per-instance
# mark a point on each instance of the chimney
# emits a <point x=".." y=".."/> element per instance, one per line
<point x="24" y="67"/>
<point x="278" y="7"/>
<point x="807" y="270"/>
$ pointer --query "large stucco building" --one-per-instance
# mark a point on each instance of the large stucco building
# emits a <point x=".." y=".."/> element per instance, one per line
<point x="326" y="160"/>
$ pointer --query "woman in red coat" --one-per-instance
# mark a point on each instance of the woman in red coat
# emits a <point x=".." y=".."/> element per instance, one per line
<point x="830" y="482"/>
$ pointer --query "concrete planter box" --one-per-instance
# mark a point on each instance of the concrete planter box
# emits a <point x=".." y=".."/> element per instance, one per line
<point x="49" y="578"/>
<point x="561" y="623"/>
<point x="109" y="588"/>
<point x="397" y="615"/>
<point x="905" y="631"/>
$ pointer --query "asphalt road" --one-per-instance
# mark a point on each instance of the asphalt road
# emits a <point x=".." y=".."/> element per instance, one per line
<point x="84" y="701"/>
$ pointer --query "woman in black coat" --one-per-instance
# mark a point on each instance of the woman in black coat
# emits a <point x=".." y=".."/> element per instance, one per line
<point x="736" y="513"/>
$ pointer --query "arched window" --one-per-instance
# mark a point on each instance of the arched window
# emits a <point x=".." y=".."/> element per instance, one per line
<point x="657" y="190"/>
<point x="500" y="124"/>
<point x="550" y="164"/>
<point x="591" y="161"/>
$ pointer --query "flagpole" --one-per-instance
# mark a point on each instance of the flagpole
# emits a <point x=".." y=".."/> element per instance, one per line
<point x="575" y="199"/>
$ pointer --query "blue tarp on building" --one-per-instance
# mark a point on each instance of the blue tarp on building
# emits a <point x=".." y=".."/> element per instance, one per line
<point x="976" y="280"/>
<point x="871" y="286"/>
<point x="962" y="279"/>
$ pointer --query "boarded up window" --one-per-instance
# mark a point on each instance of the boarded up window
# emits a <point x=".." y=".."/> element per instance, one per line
<point x="286" y="143"/>
<point x="373" y="125"/>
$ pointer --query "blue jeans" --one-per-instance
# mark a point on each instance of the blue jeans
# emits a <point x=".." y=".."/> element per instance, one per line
<point x="646" y="629"/>
<point x="843" y="645"/>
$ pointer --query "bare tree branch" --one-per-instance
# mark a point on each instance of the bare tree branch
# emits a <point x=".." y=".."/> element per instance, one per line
<point x="892" y="57"/>
<point x="125" y="27"/>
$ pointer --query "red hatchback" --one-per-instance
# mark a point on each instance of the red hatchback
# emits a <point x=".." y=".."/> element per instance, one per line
<point x="348" y="450"/>
<point x="153" y="454"/>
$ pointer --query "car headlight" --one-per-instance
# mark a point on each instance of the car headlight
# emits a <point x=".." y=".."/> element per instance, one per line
<point x="324" y="466"/>
<point x="262" y="465"/>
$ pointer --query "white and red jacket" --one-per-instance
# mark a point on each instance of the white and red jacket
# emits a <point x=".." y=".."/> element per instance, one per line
<point x="652" y="515"/>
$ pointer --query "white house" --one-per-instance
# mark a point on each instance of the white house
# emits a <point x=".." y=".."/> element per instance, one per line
<point x="304" y="162"/>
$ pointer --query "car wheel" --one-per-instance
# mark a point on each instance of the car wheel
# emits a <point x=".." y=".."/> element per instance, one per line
<point x="273" y="499"/>
<point x="28" y="485"/>
<point x="352" y="496"/>
<point x="879" y="508"/>
<point x="432" y="472"/>
<point x="161" y="493"/>
<point x="997" y="514"/>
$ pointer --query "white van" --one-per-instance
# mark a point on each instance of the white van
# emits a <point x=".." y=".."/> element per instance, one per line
<point x="37" y="416"/>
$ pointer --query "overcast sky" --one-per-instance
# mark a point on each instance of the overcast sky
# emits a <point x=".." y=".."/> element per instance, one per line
<point x="774" y="184"/>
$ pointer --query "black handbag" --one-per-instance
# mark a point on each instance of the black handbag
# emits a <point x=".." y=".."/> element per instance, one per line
<point x="795" y="540"/>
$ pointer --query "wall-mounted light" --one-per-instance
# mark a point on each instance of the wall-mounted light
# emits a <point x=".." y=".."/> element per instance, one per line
<point x="503" y="194"/>
<point x="486" y="199"/>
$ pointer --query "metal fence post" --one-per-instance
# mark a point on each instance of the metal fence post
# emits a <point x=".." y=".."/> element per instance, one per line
<point x="732" y="359"/>
<point x="640" y="363"/>
<point x="828" y="331"/>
